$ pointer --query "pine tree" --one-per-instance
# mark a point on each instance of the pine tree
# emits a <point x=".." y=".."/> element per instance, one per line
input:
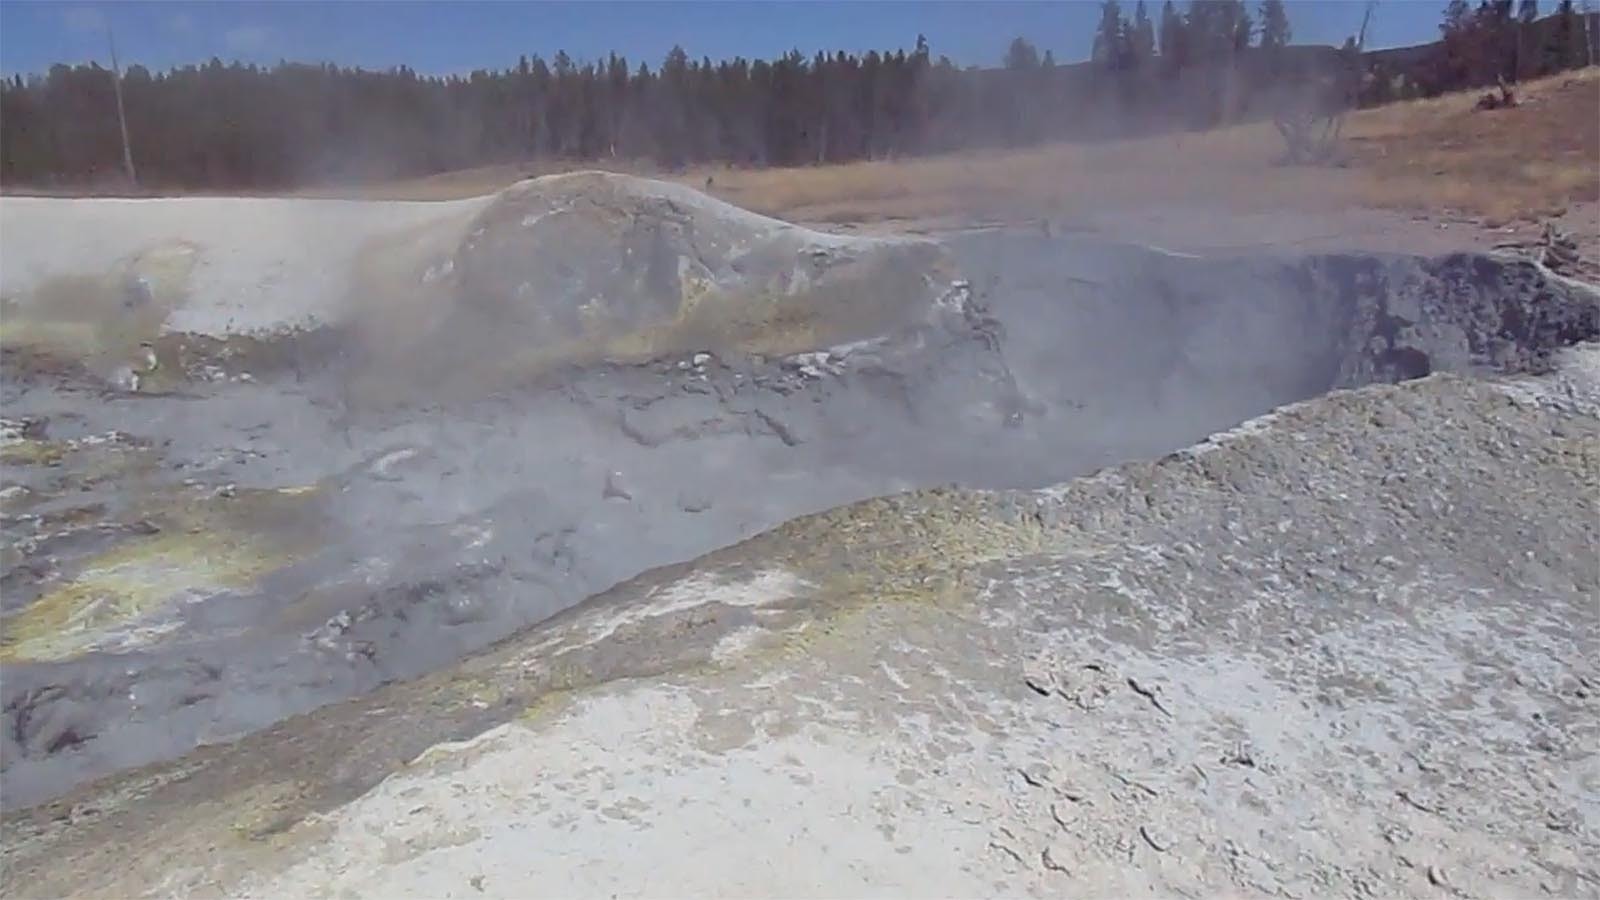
<point x="1460" y="51"/>
<point x="1144" y="38"/>
<point x="1526" y="61"/>
<point x="1499" y="35"/>
<point x="1275" y="31"/>
<point x="918" y="112"/>
<point x="1243" y="29"/>
<point x="1173" y="40"/>
<point x="1210" y="28"/>
<point x="1110" y="37"/>
<point x="618" y="99"/>
<point x="670" y="106"/>
<point x="1566" y="49"/>
<point x="1021" y="55"/>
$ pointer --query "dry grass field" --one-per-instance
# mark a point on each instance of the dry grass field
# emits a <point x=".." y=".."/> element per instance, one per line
<point x="1439" y="155"/>
<point x="1426" y="156"/>
<point x="1531" y="160"/>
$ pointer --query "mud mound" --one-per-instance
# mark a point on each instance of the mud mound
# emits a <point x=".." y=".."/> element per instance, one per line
<point x="659" y="269"/>
<point x="468" y="297"/>
<point x="590" y="267"/>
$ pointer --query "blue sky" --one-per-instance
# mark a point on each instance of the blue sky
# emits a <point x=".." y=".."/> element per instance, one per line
<point x="446" y="37"/>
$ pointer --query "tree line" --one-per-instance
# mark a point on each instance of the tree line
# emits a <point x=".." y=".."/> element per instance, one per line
<point x="235" y="126"/>
<point x="1505" y="40"/>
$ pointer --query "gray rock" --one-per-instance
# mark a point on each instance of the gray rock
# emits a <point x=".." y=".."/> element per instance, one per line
<point x="694" y="501"/>
<point x="615" y="488"/>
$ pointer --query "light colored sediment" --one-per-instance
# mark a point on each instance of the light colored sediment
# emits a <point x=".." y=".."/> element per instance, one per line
<point x="224" y="265"/>
<point x="1347" y="648"/>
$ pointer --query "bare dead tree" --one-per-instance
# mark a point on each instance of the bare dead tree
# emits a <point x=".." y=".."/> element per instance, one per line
<point x="1353" y="72"/>
<point x="122" y="116"/>
<point x="1591" y="34"/>
<point x="1310" y="114"/>
<point x="1308" y="119"/>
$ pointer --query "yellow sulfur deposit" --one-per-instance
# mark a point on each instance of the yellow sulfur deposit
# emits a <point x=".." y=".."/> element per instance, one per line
<point x="113" y="601"/>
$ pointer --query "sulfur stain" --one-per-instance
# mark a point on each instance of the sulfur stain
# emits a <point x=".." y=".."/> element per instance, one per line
<point x="264" y="811"/>
<point x="29" y="452"/>
<point x="106" y="602"/>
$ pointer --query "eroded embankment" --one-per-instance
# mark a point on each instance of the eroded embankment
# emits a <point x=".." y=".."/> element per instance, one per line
<point x="593" y="376"/>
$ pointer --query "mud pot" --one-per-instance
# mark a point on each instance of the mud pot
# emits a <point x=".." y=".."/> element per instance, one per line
<point x="265" y="456"/>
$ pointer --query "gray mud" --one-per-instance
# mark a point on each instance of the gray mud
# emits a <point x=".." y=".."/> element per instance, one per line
<point x="434" y="524"/>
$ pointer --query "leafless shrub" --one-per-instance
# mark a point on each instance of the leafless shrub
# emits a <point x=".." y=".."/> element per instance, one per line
<point x="1310" y="117"/>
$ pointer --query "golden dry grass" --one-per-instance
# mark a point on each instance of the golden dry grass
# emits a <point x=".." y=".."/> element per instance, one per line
<point x="1236" y="167"/>
<point x="1425" y="156"/>
<point x="1528" y="161"/>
